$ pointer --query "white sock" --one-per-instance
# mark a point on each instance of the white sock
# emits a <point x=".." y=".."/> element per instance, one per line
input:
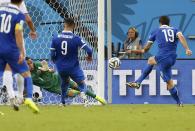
<point x="84" y="97"/>
<point x="20" y="84"/>
<point x="8" y="82"/>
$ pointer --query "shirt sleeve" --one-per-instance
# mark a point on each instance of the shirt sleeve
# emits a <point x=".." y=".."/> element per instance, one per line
<point x="23" y="8"/>
<point x="152" y="37"/>
<point x="19" y="21"/>
<point x="84" y="46"/>
<point x="177" y="32"/>
<point x="81" y="42"/>
<point x="53" y="50"/>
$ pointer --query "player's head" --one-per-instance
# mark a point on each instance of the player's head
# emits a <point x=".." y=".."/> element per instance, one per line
<point x="132" y="33"/>
<point x="164" y="20"/>
<point x="30" y="63"/>
<point x="69" y="24"/>
<point x="17" y="2"/>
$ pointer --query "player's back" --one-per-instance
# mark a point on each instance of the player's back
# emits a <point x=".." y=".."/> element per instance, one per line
<point x="167" y="40"/>
<point x="67" y="45"/>
<point x="9" y="17"/>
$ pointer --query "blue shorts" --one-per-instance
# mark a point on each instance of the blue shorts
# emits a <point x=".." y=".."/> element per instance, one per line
<point x="12" y="60"/>
<point x="76" y="74"/>
<point x="164" y="64"/>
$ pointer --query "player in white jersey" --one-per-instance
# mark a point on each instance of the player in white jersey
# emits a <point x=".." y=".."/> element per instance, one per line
<point x="7" y="76"/>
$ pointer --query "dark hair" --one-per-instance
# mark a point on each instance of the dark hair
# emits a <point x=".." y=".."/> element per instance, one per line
<point x="164" y="20"/>
<point x="27" y="58"/>
<point x="134" y="29"/>
<point x="16" y="1"/>
<point x="69" y="21"/>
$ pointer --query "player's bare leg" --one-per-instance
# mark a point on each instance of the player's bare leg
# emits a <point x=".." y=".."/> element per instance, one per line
<point x="174" y="92"/>
<point x="136" y="84"/>
<point x="8" y="82"/>
<point x="29" y="87"/>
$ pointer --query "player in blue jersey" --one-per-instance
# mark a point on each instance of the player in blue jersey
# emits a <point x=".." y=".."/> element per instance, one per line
<point x="167" y="40"/>
<point x="64" y="53"/>
<point x="7" y="74"/>
<point x="12" y="47"/>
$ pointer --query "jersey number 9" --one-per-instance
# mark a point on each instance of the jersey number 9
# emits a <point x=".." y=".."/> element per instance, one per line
<point x="64" y="47"/>
<point x="5" y="23"/>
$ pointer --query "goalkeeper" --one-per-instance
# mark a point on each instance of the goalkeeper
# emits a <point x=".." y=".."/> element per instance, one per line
<point x="48" y="79"/>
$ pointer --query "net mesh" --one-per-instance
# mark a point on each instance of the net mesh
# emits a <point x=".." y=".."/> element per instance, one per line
<point x="48" y="16"/>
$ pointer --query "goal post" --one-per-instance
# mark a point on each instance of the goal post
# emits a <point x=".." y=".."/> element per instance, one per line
<point x="109" y="47"/>
<point x="101" y="43"/>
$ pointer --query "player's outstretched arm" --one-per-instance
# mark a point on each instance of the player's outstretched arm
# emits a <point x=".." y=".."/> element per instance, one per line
<point x="30" y="24"/>
<point x="28" y="19"/>
<point x="89" y="52"/>
<point x="142" y="51"/>
<point x="147" y="47"/>
<point x="184" y="43"/>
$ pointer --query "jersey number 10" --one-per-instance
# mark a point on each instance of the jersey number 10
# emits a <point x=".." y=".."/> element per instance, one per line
<point x="5" y="23"/>
<point x="169" y="35"/>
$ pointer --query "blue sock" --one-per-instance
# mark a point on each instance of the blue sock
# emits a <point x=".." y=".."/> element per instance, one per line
<point x="145" y="73"/>
<point x="64" y="88"/>
<point x="29" y="86"/>
<point x="174" y="93"/>
<point x="82" y="87"/>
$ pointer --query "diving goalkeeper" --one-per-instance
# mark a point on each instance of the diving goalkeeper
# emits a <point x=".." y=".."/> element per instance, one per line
<point x="46" y="78"/>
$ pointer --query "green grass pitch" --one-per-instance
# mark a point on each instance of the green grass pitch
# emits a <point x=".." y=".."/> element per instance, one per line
<point x="100" y="118"/>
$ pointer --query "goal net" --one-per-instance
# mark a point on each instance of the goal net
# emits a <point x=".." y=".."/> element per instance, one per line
<point x="48" y="16"/>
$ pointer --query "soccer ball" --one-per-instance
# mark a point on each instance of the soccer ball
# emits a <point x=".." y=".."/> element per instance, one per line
<point x="114" y="62"/>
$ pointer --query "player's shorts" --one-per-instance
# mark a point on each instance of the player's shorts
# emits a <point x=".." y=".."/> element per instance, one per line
<point x="164" y="64"/>
<point x="12" y="60"/>
<point x="76" y="74"/>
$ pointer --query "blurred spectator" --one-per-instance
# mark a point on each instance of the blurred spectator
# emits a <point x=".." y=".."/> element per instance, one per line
<point x="133" y="42"/>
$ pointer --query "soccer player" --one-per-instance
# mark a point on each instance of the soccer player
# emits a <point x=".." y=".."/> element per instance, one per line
<point x="64" y="53"/>
<point x="12" y="49"/>
<point x="167" y="39"/>
<point x="28" y="19"/>
<point x="7" y="75"/>
<point x="46" y="78"/>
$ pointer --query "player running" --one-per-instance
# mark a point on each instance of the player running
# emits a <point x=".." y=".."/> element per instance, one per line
<point x="167" y="39"/>
<point x="12" y="49"/>
<point x="47" y="79"/>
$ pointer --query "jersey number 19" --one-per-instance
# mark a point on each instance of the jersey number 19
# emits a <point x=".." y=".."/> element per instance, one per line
<point x="169" y="35"/>
<point x="5" y="23"/>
